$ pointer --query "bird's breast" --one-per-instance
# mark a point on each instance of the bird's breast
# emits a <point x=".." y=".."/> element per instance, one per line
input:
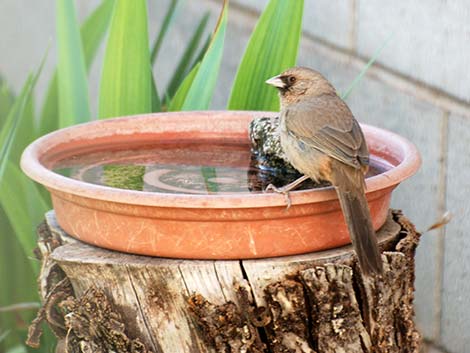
<point x="306" y="159"/>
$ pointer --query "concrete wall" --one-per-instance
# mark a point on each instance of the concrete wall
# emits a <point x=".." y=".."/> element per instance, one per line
<point x="420" y="89"/>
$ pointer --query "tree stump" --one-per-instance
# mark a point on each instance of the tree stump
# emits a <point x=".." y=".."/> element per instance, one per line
<point x="97" y="300"/>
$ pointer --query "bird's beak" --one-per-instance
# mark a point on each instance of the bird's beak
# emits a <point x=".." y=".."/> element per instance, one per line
<point x="276" y="81"/>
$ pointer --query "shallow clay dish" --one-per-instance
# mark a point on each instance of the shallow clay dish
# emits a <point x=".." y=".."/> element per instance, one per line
<point x="229" y="226"/>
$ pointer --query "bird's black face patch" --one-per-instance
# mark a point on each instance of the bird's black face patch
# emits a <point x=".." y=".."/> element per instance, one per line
<point x="289" y="81"/>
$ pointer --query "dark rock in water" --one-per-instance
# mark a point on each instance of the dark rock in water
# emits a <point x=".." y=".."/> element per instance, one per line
<point x="264" y="136"/>
<point x="268" y="160"/>
<point x="265" y="144"/>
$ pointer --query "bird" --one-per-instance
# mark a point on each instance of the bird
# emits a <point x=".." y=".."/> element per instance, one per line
<point x="322" y="140"/>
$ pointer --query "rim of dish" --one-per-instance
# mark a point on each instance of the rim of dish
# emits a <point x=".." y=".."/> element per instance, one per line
<point x="56" y="182"/>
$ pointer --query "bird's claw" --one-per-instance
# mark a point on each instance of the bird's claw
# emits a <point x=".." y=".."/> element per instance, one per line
<point x="281" y="190"/>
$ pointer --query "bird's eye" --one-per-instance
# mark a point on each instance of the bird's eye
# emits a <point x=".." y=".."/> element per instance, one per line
<point x="292" y="80"/>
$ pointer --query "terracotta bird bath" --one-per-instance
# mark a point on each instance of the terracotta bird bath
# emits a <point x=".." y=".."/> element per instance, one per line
<point x="200" y="224"/>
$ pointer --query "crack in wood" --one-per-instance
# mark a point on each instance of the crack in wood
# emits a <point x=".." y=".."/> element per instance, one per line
<point x="156" y="347"/>
<point x="219" y="281"/>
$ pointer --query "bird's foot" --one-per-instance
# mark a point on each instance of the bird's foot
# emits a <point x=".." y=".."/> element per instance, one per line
<point x="287" y="188"/>
<point x="282" y="190"/>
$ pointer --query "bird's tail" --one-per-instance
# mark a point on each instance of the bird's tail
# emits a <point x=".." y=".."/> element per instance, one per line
<point x="350" y="185"/>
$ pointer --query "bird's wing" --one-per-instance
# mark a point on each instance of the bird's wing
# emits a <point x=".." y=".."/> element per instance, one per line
<point x="326" y="124"/>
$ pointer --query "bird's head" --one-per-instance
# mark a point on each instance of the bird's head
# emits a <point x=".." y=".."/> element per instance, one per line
<point x="298" y="82"/>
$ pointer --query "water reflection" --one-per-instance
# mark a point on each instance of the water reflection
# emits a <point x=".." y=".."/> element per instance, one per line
<point x="183" y="168"/>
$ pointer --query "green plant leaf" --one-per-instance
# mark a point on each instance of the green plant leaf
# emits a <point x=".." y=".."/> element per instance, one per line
<point x="201" y="52"/>
<point x="92" y="33"/>
<point x="167" y="101"/>
<point x="16" y="132"/>
<point x="167" y="21"/>
<point x="209" y="173"/>
<point x="3" y="335"/>
<point x="74" y="106"/>
<point x="18" y="349"/>
<point x="156" y="103"/>
<point x="359" y="77"/>
<point x="126" y="86"/>
<point x="10" y="174"/>
<point x="122" y="176"/>
<point x="7" y="249"/>
<point x="272" y="48"/>
<point x="49" y="116"/>
<point x="183" y="66"/>
<point x="25" y="135"/>
<point x="20" y="199"/>
<point x="17" y="273"/>
<point x="9" y="130"/>
<point x="24" y="206"/>
<point x="177" y="102"/>
<point x="7" y="99"/>
<point x="199" y="95"/>
<point x="93" y="30"/>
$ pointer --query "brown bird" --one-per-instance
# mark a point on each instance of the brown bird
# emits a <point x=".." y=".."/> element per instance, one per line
<point x="322" y="140"/>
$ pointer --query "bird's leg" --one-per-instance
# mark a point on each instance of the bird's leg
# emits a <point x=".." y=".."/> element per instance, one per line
<point x="287" y="188"/>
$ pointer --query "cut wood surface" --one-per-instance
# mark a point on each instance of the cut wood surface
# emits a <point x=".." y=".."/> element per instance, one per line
<point x="98" y="300"/>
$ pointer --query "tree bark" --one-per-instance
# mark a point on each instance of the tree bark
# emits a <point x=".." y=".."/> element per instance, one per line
<point x="97" y="300"/>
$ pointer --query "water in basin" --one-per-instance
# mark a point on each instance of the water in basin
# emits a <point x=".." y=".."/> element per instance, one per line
<point x="191" y="168"/>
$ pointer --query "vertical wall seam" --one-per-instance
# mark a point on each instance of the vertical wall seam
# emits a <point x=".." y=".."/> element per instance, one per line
<point x="354" y="24"/>
<point x="442" y="207"/>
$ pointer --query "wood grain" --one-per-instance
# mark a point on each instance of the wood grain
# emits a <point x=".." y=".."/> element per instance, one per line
<point x="313" y="303"/>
